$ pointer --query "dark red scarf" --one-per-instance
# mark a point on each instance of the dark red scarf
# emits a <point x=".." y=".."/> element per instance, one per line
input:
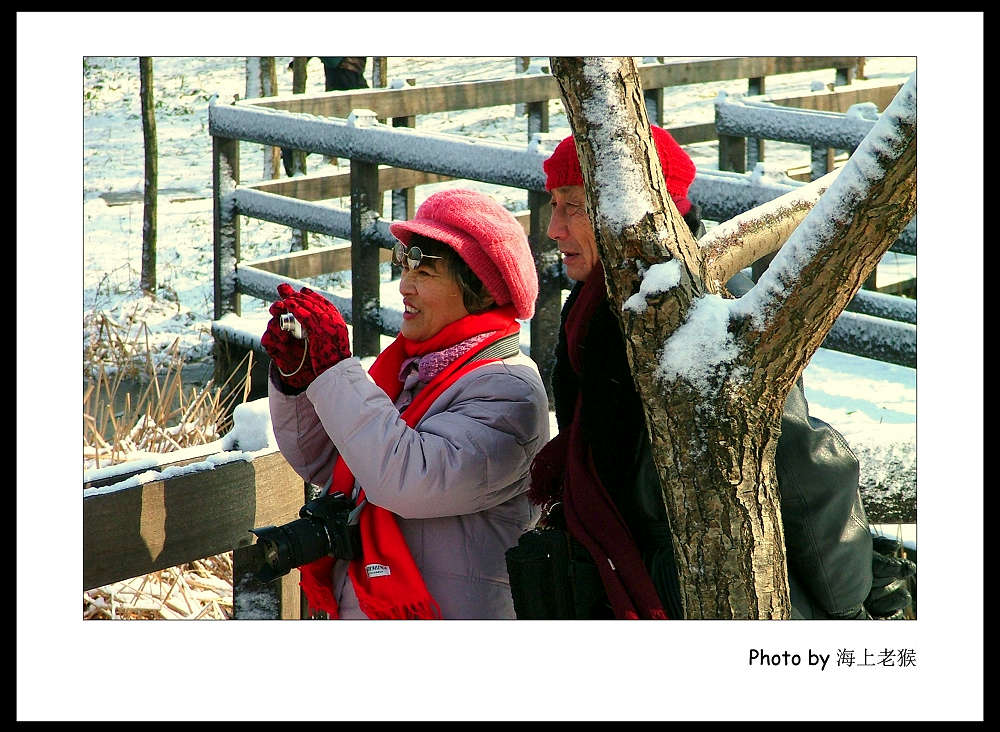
<point x="386" y="579"/>
<point x="564" y="469"/>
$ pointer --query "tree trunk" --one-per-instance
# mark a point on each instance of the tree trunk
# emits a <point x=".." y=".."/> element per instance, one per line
<point x="713" y="374"/>
<point x="300" y="238"/>
<point x="147" y="279"/>
<point x="262" y="81"/>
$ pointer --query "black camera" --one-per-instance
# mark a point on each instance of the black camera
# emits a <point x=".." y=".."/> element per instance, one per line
<point x="328" y="525"/>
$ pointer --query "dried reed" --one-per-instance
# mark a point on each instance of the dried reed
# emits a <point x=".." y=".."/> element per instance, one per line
<point x="162" y="419"/>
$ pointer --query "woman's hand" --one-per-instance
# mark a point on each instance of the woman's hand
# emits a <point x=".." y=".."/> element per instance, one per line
<point x="323" y="325"/>
<point x="286" y="351"/>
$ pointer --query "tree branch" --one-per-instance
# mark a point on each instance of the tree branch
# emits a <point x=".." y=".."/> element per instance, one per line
<point x="741" y="241"/>
<point x="831" y="253"/>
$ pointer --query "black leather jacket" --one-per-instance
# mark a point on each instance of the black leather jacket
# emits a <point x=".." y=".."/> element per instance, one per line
<point x="827" y="541"/>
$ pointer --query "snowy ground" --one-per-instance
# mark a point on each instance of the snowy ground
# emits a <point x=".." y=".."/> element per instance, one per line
<point x="872" y="403"/>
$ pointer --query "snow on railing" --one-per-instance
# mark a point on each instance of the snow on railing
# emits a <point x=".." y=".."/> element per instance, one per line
<point x="461" y="157"/>
<point x="766" y="120"/>
<point x="721" y="195"/>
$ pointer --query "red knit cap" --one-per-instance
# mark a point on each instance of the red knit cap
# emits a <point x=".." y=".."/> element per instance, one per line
<point x="487" y="237"/>
<point x="562" y="168"/>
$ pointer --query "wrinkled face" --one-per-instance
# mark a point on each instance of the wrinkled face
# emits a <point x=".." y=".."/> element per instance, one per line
<point x="431" y="299"/>
<point x="570" y="227"/>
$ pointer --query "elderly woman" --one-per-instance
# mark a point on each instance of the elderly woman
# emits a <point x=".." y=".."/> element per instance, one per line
<point x="597" y="480"/>
<point x="435" y="441"/>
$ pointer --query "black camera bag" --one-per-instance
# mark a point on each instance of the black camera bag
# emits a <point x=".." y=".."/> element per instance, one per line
<point x="552" y="577"/>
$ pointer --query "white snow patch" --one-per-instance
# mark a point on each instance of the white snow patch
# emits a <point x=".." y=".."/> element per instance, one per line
<point x="622" y="194"/>
<point x="658" y="278"/>
<point x="700" y="345"/>
<point x="251" y="437"/>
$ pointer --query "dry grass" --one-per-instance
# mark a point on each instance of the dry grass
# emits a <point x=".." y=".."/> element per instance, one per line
<point x="163" y="418"/>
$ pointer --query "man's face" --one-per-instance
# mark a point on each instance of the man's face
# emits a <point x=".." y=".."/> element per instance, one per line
<point x="571" y="228"/>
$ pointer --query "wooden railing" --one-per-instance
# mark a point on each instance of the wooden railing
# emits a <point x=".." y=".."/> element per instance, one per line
<point x="133" y="528"/>
<point x="373" y="172"/>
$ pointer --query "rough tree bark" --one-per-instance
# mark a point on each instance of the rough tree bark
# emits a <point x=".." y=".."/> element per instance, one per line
<point x="147" y="279"/>
<point x="714" y="419"/>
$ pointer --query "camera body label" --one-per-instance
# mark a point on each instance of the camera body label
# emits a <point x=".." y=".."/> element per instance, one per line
<point x="377" y="570"/>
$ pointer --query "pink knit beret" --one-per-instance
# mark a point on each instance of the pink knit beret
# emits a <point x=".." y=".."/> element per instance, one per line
<point x="562" y="168"/>
<point x="487" y="237"/>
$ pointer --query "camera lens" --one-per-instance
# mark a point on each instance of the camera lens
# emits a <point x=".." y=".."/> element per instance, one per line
<point x="292" y="545"/>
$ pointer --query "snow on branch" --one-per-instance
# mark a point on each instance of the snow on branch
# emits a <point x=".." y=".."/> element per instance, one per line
<point x="622" y="191"/>
<point x="867" y="167"/>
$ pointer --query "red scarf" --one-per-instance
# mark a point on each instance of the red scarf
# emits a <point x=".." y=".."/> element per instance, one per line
<point x="386" y="579"/>
<point x="565" y="469"/>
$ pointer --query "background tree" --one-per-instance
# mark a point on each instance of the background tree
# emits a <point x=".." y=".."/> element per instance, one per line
<point x="297" y="160"/>
<point x="147" y="280"/>
<point x="713" y="372"/>
<point x="262" y="81"/>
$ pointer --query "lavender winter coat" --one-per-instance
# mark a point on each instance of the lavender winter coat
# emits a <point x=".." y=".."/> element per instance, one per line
<point x="457" y="482"/>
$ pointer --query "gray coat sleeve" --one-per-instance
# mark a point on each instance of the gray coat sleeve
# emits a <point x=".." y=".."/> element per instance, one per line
<point x="827" y="539"/>
<point x="469" y="452"/>
<point x="300" y="434"/>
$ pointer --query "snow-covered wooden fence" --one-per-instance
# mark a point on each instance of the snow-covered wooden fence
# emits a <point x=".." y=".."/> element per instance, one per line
<point x="396" y="158"/>
<point x="195" y="508"/>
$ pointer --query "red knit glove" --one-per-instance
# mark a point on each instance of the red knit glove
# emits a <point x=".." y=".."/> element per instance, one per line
<point x="323" y="325"/>
<point x="286" y="351"/>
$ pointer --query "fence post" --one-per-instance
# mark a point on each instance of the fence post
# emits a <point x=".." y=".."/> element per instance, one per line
<point x="380" y="66"/>
<point x="820" y="163"/>
<point x="755" y="145"/>
<point x="281" y="599"/>
<point x="521" y="64"/>
<point x="380" y="75"/>
<point x="403" y="199"/>
<point x="538" y="117"/>
<point x="366" y="206"/>
<point x="545" y="323"/>
<point x="844" y="76"/>
<point x="254" y="600"/>
<point x="732" y="153"/>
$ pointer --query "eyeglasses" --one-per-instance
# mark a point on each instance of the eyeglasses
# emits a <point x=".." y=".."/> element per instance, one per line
<point x="412" y="256"/>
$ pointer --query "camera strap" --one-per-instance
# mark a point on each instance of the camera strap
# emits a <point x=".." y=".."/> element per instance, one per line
<point x="504" y="348"/>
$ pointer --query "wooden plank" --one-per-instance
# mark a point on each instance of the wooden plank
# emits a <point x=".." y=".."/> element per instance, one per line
<point x="416" y="100"/>
<point x="840" y="100"/>
<point x="164" y="523"/>
<point x="689" y="134"/>
<point x="300" y="265"/>
<point x="533" y="88"/>
<point x="740" y="67"/>
<point x="907" y="288"/>
<point x="322" y="186"/>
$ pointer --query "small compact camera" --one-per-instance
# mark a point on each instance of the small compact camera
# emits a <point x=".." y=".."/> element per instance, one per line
<point x="327" y="526"/>
<point x="288" y="322"/>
